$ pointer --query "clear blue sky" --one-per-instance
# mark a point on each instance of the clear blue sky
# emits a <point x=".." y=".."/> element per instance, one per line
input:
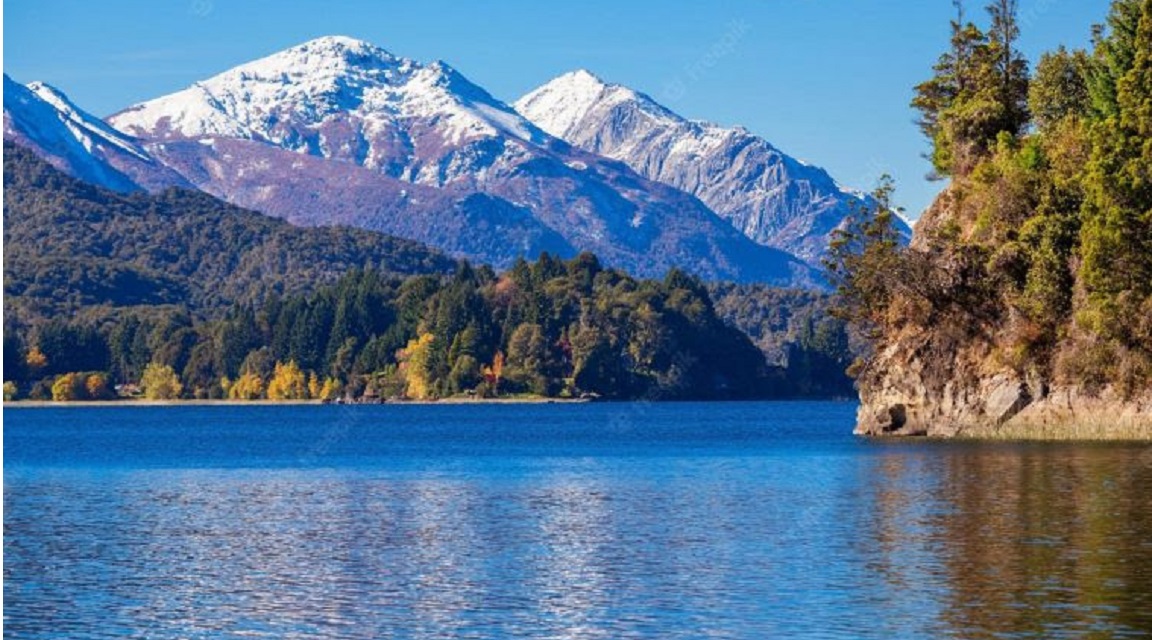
<point x="827" y="81"/>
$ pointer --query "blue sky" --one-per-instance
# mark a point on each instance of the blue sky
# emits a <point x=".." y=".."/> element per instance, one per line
<point x="827" y="81"/>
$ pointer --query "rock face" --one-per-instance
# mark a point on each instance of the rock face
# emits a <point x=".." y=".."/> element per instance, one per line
<point x="920" y="385"/>
<point x="769" y="196"/>
<point x="1001" y="404"/>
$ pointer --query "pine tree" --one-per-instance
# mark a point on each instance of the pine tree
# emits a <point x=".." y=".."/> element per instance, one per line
<point x="979" y="89"/>
<point x="1116" y="236"/>
<point x="1115" y="54"/>
<point x="1059" y="89"/>
<point x="864" y="261"/>
<point x="1009" y="68"/>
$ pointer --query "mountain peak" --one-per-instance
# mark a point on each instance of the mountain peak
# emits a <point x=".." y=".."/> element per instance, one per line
<point x="311" y="97"/>
<point x="51" y="95"/>
<point x="582" y="77"/>
<point x="772" y="198"/>
<point x="337" y="42"/>
<point x="338" y="48"/>
<point x="323" y="56"/>
<point x="559" y="104"/>
<point x="40" y="117"/>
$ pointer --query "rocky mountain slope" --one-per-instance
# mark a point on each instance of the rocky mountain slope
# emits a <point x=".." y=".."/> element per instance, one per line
<point x="769" y="196"/>
<point x="42" y="118"/>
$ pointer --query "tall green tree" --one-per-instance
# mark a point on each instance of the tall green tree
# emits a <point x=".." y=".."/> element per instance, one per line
<point x="979" y="89"/>
<point x="1059" y="89"/>
<point x="865" y="261"/>
<point x="1114" y="55"/>
<point x="1009" y="68"/>
<point x="1116" y="236"/>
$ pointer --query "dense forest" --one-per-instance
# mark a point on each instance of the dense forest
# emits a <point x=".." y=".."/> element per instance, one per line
<point x="797" y="331"/>
<point x="1039" y="251"/>
<point x="548" y="328"/>
<point x="70" y="246"/>
<point x="180" y="295"/>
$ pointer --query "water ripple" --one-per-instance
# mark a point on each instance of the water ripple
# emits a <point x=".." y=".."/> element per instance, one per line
<point x="778" y="538"/>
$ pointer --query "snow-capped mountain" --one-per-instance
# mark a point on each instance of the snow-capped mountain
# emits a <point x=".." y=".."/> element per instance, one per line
<point x="770" y="197"/>
<point x="43" y="119"/>
<point x="340" y="98"/>
<point x="337" y="130"/>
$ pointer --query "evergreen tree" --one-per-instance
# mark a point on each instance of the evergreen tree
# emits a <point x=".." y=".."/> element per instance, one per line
<point x="1116" y="236"/>
<point x="1009" y="68"/>
<point x="1059" y="89"/>
<point x="979" y="90"/>
<point x="1114" y="55"/>
<point x="864" y="261"/>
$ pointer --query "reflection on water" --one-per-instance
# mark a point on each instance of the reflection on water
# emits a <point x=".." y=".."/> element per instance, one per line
<point x="853" y="541"/>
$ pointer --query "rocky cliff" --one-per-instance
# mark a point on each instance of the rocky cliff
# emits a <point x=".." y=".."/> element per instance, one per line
<point x="924" y="386"/>
<point x="950" y="372"/>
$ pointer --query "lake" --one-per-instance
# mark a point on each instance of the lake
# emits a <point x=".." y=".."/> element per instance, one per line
<point x="727" y="520"/>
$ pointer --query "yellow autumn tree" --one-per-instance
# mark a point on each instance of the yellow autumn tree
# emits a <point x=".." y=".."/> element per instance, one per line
<point x="314" y="387"/>
<point x="330" y="390"/>
<point x="68" y="387"/>
<point x="287" y="382"/>
<point x="248" y="386"/>
<point x="160" y="382"/>
<point x="36" y="360"/>
<point x="97" y="387"/>
<point x="417" y="359"/>
<point x="493" y="373"/>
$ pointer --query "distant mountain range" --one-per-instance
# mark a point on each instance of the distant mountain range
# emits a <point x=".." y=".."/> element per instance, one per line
<point x="772" y="198"/>
<point x="338" y="131"/>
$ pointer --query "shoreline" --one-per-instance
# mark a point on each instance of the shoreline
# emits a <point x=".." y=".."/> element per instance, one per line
<point x="1064" y="415"/>
<point x="79" y="404"/>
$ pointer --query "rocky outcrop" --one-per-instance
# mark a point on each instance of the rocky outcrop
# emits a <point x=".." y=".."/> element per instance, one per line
<point x="922" y="385"/>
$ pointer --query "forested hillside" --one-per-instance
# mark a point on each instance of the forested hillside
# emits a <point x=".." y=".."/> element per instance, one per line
<point x="797" y="332"/>
<point x="191" y="297"/>
<point x="1028" y="286"/>
<point x="69" y="245"/>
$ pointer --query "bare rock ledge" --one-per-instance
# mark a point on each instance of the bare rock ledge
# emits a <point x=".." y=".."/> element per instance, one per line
<point x="915" y="392"/>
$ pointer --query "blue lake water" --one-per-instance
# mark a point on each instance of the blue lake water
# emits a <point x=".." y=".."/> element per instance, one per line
<point x="741" y="520"/>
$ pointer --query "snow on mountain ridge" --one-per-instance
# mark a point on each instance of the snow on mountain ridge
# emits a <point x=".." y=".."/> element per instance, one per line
<point x="86" y="128"/>
<point x="42" y="118"/>
<point x="272" y="98"/>
<point x="772" y="198"/>
<point x="289" y="130"/>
